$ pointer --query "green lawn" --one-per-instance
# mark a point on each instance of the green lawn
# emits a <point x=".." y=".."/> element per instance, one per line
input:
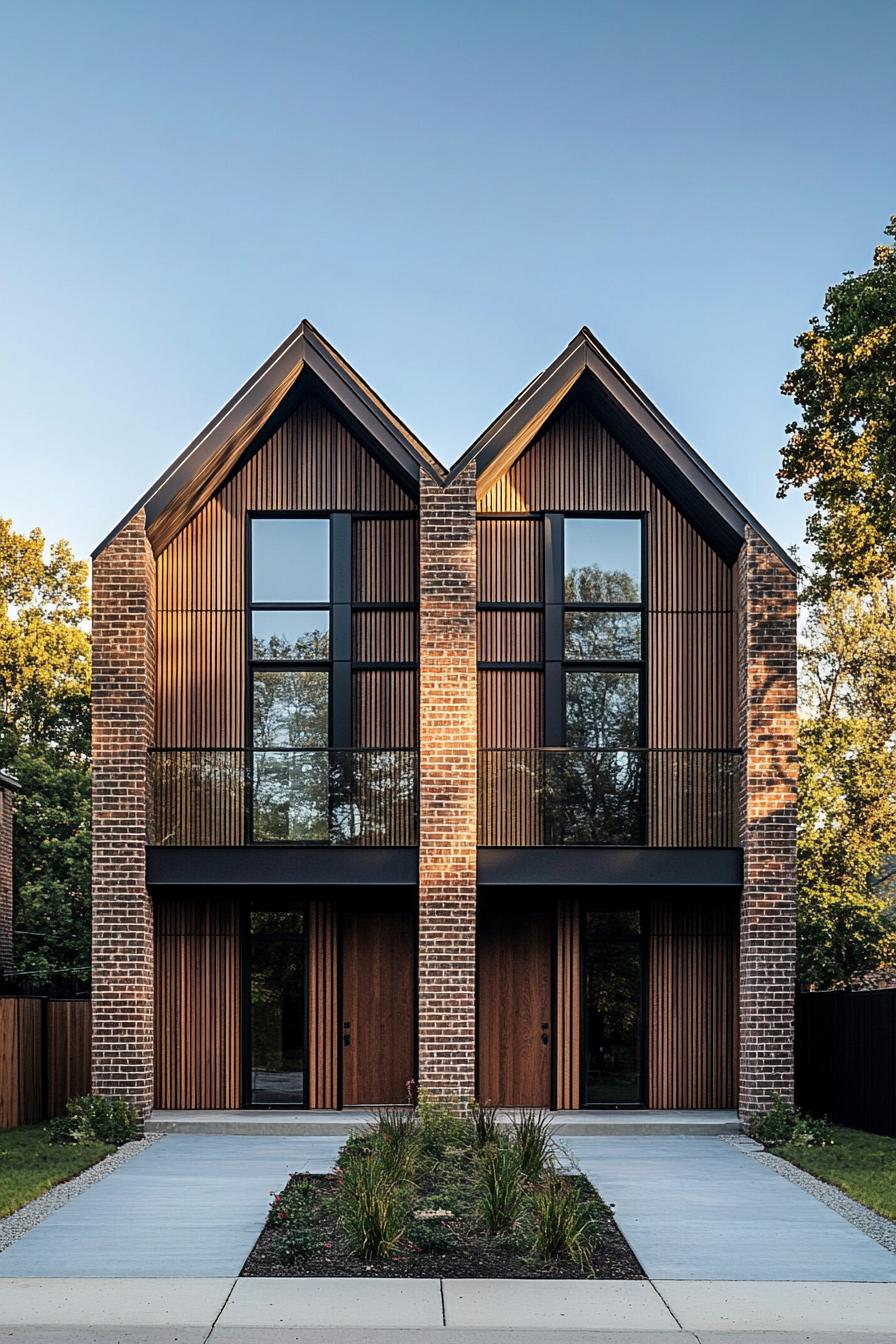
<point x="864" y="1165"/>
<point x="30" y="1164"/>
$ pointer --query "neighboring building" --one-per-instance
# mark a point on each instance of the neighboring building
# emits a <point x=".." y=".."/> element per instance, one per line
<point x="9" y="787"/>
<point x="481" y="777"/>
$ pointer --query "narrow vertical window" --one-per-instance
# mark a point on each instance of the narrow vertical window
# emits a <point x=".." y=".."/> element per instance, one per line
<point x="289" y="667"/>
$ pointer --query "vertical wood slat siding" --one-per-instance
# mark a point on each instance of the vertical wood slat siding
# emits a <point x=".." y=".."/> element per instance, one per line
<point x="197" y="1004"/>
<point x="692" y="996"/>
<point x="510" y="636"/>
<point x="68" y="1052"/>
<point x="384" y="636"/>
<point x="323" y="1006"/>
<point x="576" y="465"/>
<point x="568" y="1015"/>
<point x="384" y="709"/>
<point x="311" y="462"/>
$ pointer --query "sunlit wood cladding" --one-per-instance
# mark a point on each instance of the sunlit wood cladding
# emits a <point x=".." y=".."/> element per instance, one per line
<point x="575" y="465"/>
<point x="510" y="636"/>
<point x="310" y="463"/>
<point x="568" y="1014"/>
<point x="511" y="708"/>
<point x="692" y="1002"/>
<point x="323" y="1006"/>
<point x="197" y="1003"/>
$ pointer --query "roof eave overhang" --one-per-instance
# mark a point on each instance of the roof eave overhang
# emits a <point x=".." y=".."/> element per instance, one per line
<point x="205" y="463"/>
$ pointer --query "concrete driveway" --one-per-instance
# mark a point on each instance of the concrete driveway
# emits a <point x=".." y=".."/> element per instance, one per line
<point x="695" y="1208"/>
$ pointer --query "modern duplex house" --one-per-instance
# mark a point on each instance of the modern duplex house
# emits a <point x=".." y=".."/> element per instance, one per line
<point x="481" y="777"/>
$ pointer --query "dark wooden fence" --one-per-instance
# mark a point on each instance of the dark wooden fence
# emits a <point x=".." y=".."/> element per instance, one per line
<point x="846" y="1057"/>
<point x="44" y="1056"/>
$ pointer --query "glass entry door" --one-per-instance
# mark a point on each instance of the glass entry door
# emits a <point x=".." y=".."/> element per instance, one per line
<point x="614" y="993"/>
<point x="276" y="1007"/>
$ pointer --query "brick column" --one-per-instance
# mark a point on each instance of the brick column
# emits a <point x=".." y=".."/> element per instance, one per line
<point x="447" y="948"/>
<point x="767" y="632"/>
<point x="123" y="698"/>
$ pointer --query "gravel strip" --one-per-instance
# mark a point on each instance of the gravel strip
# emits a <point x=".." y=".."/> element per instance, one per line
<point x="16" y="1224"/>
<point x="874" y="1225"/>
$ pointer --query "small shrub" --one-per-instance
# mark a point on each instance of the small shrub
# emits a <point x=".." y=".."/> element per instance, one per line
<point x="396" y="1123"/>
<point x="533" y="1139"/>
<point x="95" y="1119"/>
<point x="432" y="1230"/>
<point x="563" y="1223"/>
<point x="500" y="1189"/>
<point x="374" y="1207"/>
<point x="296" y="1243"/>
<point x="294" y="1205"/>
<point x="438" y="1126"/>
<point x="782" y="1123"/>
<point x="484" y="1120"/>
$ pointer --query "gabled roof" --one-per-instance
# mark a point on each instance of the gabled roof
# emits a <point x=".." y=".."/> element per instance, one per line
<point x="305" y="360"/>
<point x="306" y="363"/>
<point x="8" y="781"/>
<point x="589" y="370"/>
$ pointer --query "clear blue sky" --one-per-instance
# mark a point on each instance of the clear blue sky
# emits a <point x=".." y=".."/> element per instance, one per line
<point x="447" y="190"/>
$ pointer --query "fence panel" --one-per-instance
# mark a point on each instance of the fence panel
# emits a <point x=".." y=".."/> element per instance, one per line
<point x="44" y="1057"/>
<point x="846" y="1057"/>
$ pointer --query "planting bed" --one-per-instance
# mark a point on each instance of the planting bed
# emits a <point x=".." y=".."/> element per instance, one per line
<point x="430" y="1196"/>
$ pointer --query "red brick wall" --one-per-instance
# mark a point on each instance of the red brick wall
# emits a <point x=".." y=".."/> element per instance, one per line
<point x="768" y="905"/>
<point x="447" y="950"/>
<point x="7" y="807"/>
<point x="123" y="685"/>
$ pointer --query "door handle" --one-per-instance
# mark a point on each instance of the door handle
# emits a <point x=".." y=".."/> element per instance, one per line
<point x="346" y="1033"/>
<point x="544" y="1033"/>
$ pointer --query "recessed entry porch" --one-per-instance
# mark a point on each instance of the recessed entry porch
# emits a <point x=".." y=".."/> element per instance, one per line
<point x="617" y="999"/>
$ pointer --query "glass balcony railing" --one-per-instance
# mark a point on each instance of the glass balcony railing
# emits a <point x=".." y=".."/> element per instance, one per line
<point x="314" y="796"/>
<point x="604" y="796"/>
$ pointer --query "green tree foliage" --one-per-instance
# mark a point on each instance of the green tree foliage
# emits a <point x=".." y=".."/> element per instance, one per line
<point x="842" y="453"/>
<point x="45" y="741"/>
<point x="847" y="795"/>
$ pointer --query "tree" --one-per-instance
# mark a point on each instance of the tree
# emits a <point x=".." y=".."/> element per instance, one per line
<point x="842" y="453"/>
<point x="847" y="797"/>
<point x="45" y="741"/>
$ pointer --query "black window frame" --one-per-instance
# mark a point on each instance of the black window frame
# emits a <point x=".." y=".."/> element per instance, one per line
<point x="557" y="664"/>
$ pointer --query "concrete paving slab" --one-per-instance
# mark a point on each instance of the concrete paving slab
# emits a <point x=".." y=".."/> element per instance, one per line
<point x="787" y="1337"/>
<point x="694" y="1208"/>
<point x="321" y="1123"/>
<point x="186" y="1207"/>
<point x="447" y="1335"/>
<point x="807" y="1306"/>
<point x="305" y="1303"/>
<point x="581" y="1304"/>
<point x="109" y="1303"/>
<point x="96" y="1334"/>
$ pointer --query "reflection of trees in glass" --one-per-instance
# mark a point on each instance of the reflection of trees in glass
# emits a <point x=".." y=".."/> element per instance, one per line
<point x="290" y="707"/>
<point x="304" y="645"/>
<point x="613" y="1006"/>
<point x="340" y="797"/>
<point x="592" y="798"/>
<point x="277" y="984"/>
<point x="593" y="584"/>
<point x="602" y="709"/>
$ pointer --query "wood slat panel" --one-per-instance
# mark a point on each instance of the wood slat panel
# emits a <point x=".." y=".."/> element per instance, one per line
<point x="384" y="709"/>
<point x="9" y="1064"/>
<point x="197" y="1003"/>
<point x="323" y="1007"/>
<point x="510" y="636"/>
<point x="692" y="1014"/>
<point x="515" y="1010"/>
<point x="68" y="1052"/>
<point x="31" y="1048"/>
<point x="510" y="560"/>
<point x="568" y="1018"/>
<point x="511" y="709"/>
<point x="384" y="636"/>
<point x="384" y="559"/>
<point x="379" y="959"/>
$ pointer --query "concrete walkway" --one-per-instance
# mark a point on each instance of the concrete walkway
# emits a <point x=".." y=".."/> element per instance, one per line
<point x="184" y="1208"/>
<point x="696" y="1208"/>
<point x="434" y="1311"/>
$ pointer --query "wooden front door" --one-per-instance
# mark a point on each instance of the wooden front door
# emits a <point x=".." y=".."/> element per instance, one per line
<point x="378" y="1020"/>
<point x="515" y="1013"/>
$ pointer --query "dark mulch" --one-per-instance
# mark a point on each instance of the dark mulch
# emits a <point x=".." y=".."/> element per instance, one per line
<point x="473" y="1258"/>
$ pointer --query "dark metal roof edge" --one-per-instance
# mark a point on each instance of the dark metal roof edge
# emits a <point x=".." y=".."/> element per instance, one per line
<point x="599" y="362"/>
<point x="8" y="781"/>
<point x="305" y="340"/>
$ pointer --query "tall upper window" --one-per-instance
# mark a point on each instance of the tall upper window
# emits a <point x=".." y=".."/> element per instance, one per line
<point x="289" y="650"/>
<point x="602" y="631"/>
